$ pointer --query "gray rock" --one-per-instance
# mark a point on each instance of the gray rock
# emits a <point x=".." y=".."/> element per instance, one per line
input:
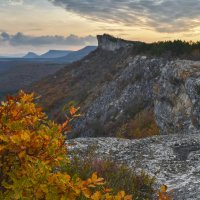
<point x="177" y="97"/>
<point x="130" y="91"/>
<point x="174" y="160"/>
<point x="110" y="43"/>
<point x="171" y="88"/>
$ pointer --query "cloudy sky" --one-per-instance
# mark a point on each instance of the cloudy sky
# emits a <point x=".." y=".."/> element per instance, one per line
<point x="40" y="25"/>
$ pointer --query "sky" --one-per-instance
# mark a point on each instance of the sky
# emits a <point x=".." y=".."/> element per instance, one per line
<point x="40" y="25"/>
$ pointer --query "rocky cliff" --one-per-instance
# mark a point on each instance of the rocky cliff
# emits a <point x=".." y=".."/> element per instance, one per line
<point x="114" y="87"/>
<point x="176" y="99"/>
<point x="110" y="43"/>
<point x="170" y="87"/>
<point x="128" y="93"/>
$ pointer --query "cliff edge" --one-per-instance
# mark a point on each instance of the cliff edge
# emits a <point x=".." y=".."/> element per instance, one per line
<point x="110" y="43"/>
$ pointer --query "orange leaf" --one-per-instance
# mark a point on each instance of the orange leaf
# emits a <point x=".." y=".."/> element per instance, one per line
<point x="163" y="188"/>
<point x="73" y="110"/>
<point x="128" y="197"/>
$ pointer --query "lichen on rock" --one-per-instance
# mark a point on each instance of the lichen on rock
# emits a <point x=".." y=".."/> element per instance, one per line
<point x="177" y="100"/>
<point x="174" y="160"/>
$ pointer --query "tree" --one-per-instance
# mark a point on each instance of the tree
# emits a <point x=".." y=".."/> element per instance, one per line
<point x="32" y="151"/>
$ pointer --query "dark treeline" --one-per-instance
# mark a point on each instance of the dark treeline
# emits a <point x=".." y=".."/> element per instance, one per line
<point x="176" y="48"/>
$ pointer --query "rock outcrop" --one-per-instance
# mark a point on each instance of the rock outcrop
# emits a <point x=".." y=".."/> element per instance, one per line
<point x="110" y="43"/>
<point x="177" y="98"/>
<point x="174" y="160"/>
<point x="127" y="94"/>
<point x="171" y="87"/>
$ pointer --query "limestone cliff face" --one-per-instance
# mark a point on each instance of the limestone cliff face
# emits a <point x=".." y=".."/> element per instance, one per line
<point x="177" y="98"/>
<point x="171" y="88"/>
<point x="113" y="85"/>
<point x="110" y="43"/>
<point x="128" y="93"/>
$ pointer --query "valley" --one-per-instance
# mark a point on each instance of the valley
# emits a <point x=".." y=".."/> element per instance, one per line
<point x="20" y="73"/>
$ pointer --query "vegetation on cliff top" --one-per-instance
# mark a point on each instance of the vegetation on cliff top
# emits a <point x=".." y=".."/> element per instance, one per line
<point x="171" y="49"/>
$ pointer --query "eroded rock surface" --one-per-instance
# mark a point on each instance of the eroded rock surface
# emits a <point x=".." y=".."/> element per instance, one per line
<point x="110" y="43"/>
<point x="177" y="95"/>
<point x="130" y="92"/>
<point x="172" y="88"/>
<point x="174" y="160"/>
<point x="113" y="85"/>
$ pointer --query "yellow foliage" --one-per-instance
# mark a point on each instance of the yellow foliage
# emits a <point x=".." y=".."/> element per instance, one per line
<point x="163" y="194"/>
<point x="73" y="110"/>
<point x="32" y="150"/>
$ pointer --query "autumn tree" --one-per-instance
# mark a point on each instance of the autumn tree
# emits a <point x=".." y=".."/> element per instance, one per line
<point x="32" y="152"/>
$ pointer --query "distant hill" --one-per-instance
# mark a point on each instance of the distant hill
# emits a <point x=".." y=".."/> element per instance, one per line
<point x="31" y="55"/>
<point x="62" y="56"/>
<point x="77" y="55"/>
<point x="17" y="74"/>
<point x="55" y="54"/>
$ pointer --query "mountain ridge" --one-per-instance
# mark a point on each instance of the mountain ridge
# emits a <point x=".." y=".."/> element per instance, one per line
<point x="134" y="90"/>
<point x="114" y="86"/>
<point x="76" y="55"/>
<point x="62" y="55"/>
<point x="55" y="53"/>
<point x="31" y="55"/>
<point x="16" y="74"/>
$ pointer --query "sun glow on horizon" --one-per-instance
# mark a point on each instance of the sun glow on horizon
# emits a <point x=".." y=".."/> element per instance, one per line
<point x="62" y="18"/>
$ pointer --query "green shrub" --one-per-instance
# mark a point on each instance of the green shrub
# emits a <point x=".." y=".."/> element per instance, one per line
<point x="176" y="48"/>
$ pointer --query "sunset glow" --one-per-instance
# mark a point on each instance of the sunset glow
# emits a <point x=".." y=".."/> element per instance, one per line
<point x="143" y="20"/>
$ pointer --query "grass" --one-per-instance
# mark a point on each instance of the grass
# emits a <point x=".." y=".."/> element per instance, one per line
<point x="118" y="177"/>
<point x="141" y="126"/>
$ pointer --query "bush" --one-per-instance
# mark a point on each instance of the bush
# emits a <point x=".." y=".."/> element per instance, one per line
<point x="32" y="153"/>
<point x="118" y="177"/>
<point x="141" y="126"/>
<point x="170" y="49"/>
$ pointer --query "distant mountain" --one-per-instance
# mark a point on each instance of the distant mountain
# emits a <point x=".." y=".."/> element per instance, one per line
<point x="77" y="55"/>
<point x="55" y="54"/>
<point x="19" y="73"/>
<point x="31" y="55"/>
<point x="62" y="56"/>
